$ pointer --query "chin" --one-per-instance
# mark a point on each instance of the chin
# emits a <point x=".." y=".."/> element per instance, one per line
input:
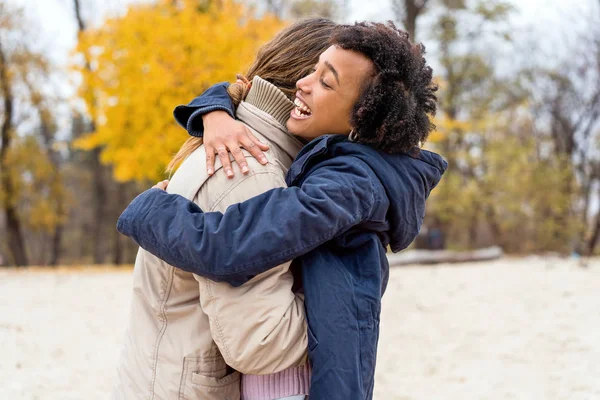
<point x="301" y="129"/>
<point x="293" y="128"/>
<point x="298" y="132"/>
<point x="290" y="126"/>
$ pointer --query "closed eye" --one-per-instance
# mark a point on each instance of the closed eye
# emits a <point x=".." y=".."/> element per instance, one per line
<point x="314" y="70"/>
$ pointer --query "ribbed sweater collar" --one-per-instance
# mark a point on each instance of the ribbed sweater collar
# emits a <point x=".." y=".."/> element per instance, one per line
<point x="266" y="97"/>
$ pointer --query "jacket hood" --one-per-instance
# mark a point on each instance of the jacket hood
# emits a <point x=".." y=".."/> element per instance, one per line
<point x="407" y="179"/>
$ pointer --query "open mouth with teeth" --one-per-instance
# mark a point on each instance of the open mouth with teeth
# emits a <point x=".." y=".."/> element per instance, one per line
<point x="301" y="110"/>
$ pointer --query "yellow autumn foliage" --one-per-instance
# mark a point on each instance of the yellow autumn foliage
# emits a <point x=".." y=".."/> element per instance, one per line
<point x="42" y="196"/>
<point x="137" y="68"/>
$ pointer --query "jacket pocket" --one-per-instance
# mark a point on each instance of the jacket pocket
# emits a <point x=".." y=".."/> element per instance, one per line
<point x="208" y="380"/>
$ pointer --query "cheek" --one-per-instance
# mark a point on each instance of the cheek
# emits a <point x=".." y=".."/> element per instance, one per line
<point x="337" y="117"/>
<point x="347" y="108"/>
<point x="328" y="108"/>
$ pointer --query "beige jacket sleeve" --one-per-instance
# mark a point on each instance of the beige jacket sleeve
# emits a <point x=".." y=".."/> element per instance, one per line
<point x="260" y="327"/>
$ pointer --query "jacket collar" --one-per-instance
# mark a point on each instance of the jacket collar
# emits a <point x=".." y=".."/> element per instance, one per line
<point x="266" y="110"/>
<point x="310" y="153"/>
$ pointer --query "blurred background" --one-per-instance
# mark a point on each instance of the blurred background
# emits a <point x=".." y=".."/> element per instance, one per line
<point x="87" y="90"/>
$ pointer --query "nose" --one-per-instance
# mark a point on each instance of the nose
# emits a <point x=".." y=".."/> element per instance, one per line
<point x="304" y="84"/>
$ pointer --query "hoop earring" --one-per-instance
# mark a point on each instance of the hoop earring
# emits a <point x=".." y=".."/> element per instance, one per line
<point x="352" y="136"/>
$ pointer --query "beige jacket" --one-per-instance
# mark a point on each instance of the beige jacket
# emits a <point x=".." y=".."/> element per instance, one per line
<point x="184" y="329"/>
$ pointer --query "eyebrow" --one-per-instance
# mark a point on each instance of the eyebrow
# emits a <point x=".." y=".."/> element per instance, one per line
<point x="333" y="71"/>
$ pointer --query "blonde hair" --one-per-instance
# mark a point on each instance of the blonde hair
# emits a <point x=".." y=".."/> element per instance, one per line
<point x="283" y="61"/>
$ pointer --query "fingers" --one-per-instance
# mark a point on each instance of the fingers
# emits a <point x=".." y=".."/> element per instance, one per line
<point x="210" y="159"/>
<point x="239" y="157"/>
<point x="161" y="185"/>
<point x="261" y="145"/>
<point x="224" y="157"/>
<point x="233" y="143"/>
<point x="255" y="147"/>
<point x="222" y="151"/>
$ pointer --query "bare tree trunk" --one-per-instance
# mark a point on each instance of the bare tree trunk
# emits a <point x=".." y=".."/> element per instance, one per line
<point x="56" y="249"/>
<point x="118" y="251"/>
<point x="591" y="247"/>
<point x="474" y="227"/>
<point x="408" y="12"/>
<point x="48" y="132"/>
<point x="492" y="220"/>
<point x="411" y="12"/>
<point x="56" y="245"/>
<point x="118" y="258"/>
<point x="16" y="241"/>
<point x="593" y="241"/>
<point x="100" y="189"/>
<point x="100" y="198"/>
<point x="80" y="22"/>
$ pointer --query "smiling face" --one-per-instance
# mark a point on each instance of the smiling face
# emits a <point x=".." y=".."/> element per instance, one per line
<point x="325" y="98"/>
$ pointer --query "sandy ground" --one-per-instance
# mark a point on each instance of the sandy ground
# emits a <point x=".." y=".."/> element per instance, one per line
<point x="510" y="329"/>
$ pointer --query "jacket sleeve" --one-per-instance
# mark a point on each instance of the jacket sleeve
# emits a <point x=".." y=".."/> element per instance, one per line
<point x="214" y="98"/>
<point x="258" y="234"/>
<point x="272" y="336"/>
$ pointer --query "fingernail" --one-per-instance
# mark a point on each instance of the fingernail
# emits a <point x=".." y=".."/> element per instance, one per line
<point x="263" y="160"/>
<point x="210" y="171"/>
<point x="229" y="173"/>
<point x="245" y="169"/>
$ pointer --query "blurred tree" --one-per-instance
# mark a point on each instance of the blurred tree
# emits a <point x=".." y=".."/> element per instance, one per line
<point x="595" y="226"/>
<point x="567" y="114"/>
<point x="16" y="243"/>
<point x="295" y="9"/>
<point x="408" y="12"/>
<point x="566" y="106"/>
<point x="468" y="89"/>
<point x="493" y="190"/>
<point x="100" y="188"/>
<point x="48" y="213"/>
<point x="276" y="7"/>
<point x="23" y="158"/>
<point x="587" y="126"/>
<point x="82" y="231"/>
<point x="143" y="64"/>
<point x="317" y="8"/>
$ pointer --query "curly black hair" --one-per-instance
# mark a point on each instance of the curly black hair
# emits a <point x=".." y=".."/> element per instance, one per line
<point x="393" y="111"/>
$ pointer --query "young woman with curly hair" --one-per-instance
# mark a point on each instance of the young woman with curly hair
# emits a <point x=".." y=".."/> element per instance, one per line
<point x="351" y="194"/>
